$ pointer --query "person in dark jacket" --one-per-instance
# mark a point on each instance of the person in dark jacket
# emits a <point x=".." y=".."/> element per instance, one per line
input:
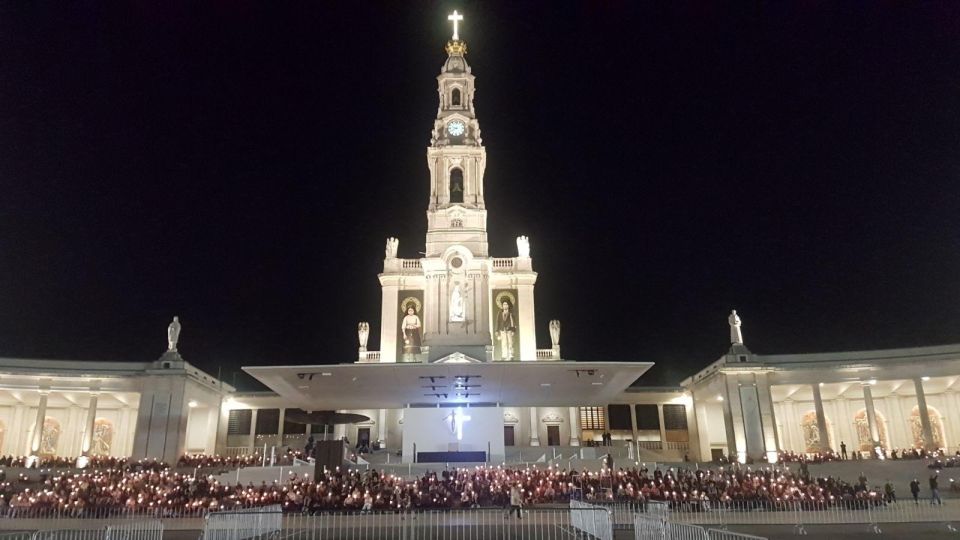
<point x="915" y="491"/>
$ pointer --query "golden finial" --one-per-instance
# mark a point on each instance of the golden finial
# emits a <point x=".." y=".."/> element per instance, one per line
<point x="457" y="47"/>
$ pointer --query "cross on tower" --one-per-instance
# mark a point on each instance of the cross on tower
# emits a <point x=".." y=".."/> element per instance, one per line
<point x="456" y="18"/>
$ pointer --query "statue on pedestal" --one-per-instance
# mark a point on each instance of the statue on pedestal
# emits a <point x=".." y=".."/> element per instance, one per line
<point x="173" y="334"/>
<point x="363" y="332"/>
<point x="736" y="335"/>
<point x="523" y="247"/>
<point x="391" y="250"/>
<point x="555" y="333"/>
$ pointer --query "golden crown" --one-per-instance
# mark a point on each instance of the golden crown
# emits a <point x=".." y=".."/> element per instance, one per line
<point x="456" y="47"/>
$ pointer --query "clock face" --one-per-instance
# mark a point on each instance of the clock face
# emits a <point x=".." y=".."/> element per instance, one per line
<point x="456" y="128"/>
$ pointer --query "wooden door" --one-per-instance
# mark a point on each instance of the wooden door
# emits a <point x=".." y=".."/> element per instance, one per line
<point x="553" y="435"/>
<point x="508" y="436"/>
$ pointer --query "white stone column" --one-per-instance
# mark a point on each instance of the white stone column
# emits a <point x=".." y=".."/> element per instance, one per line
<point x="527" y="331"/>
<point x="339" y="430"/>
<point x="252" y="447"/>
<point x="389" y="323"/>
<point x="928" y="442"/>
<point x="382" y="428"/>
<point x="88" y="426"/>
<point x="663" y="427"/>
<point x="38" y="425"/>
<point x="14" y="440"/>
<point x="534" y="427"/>
<point x="821" y="418"/>
<point x="871" y="415"/>
<point x="734" y="408"/>
<point x="574" y="426"/>
<point x="768" y="418"/>
<point x="633" y="424"/>
<point x="283" y="417"/>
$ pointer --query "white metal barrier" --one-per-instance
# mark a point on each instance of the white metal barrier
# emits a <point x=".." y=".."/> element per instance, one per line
<point x="473" y="524"/>
<point x="718" y="534"/>
<point x="135" y="530"/>
<point x="598" y="522"/>
<point x="121" y="530"/>
<point x="795" y="514"/>
<point x="649" y="527"/>
<point x="254" y="523"/>
<point x="685" y="531"/>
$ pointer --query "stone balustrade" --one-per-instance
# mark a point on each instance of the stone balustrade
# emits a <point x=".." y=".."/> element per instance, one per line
<point x="548" y="354"/>
<point x="369" y="357"/>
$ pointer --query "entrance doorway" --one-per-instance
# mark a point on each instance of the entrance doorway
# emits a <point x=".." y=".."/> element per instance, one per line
<point x="716" y="454"/>
<point x="363" y="437"/>
<point x="553" y="435"/>
<point x="508" y="436"/>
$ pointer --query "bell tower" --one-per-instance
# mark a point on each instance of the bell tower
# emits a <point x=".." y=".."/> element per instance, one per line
<point x="456" y="214"/>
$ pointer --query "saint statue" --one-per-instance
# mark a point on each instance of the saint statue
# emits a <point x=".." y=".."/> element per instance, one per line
<point x="363" y="333"/>
<point x="173" y="334"/>
<point x="458" y="304"/>
<point x="523" y="247"/>
<point x="390" y="251"/>
<point x="736" y="335"/>
<point x="506" y="328"/>
<point x="412" y="329"/>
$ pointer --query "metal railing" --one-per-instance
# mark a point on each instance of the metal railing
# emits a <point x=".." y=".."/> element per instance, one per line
<point x="720" y="534"/>
<point x="595" y="524"/>
<point x="475" y="524"/>
<point x="790" y="513"/>
<point x="255" y="523"/>
<point x="648" y="527"/>
<point x="126" y="530"/>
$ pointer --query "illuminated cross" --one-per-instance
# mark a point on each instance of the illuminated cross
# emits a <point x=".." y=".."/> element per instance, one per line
<point x="456" y="419"/>
<point x="456" y="18"/>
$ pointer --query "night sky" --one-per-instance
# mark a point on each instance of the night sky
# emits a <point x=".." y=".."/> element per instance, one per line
<point x="240" y="164"/>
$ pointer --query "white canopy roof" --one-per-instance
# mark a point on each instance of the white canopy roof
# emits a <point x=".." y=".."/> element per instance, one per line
<point x="375" y="386"/>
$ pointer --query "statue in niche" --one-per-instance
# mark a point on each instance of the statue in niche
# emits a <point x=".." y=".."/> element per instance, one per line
<point x="412" y="330"/>
<point x="736" y="334"/>
<point x="506" y="328"/>
<point x="173" y="334"/>
<point x="393" y="245"/>
<point x="457" y="310"/>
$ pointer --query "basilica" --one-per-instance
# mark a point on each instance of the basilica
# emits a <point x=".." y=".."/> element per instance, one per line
<point x="459" y="376"/>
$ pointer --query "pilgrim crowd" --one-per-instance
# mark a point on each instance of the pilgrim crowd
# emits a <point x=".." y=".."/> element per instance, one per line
<point x="169" y="492"/>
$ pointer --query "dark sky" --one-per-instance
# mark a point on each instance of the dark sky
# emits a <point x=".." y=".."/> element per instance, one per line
<point x="239" y="164"/>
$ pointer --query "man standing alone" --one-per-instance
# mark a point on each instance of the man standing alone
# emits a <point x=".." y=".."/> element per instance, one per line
<point x="915" y="491"/>
<point x="516" y="499"/>
<point x="935" y="489"/>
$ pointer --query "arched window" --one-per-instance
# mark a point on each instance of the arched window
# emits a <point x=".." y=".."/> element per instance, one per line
<point x="811" y="432"/>
<point x="455" y="97"/>
<point x="936" y="426"/>
<point x="49" y="437"/>
<point x="456" y="186"/>
<point x="863" y="430"/>
<point x="102" y="437"/>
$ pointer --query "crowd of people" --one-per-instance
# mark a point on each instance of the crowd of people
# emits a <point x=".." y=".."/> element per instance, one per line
<point x="208" y="461"/>
<point x="126" y="490"/>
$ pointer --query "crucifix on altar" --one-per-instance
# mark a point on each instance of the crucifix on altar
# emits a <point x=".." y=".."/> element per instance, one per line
<point x="456" y="18"/>
<point x="456" y="420"/>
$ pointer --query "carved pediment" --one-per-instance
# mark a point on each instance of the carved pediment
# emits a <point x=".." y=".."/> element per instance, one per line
<point x="510" y="418"/>
<point x="458" y="358"/>
<point x="552" y="418"/>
